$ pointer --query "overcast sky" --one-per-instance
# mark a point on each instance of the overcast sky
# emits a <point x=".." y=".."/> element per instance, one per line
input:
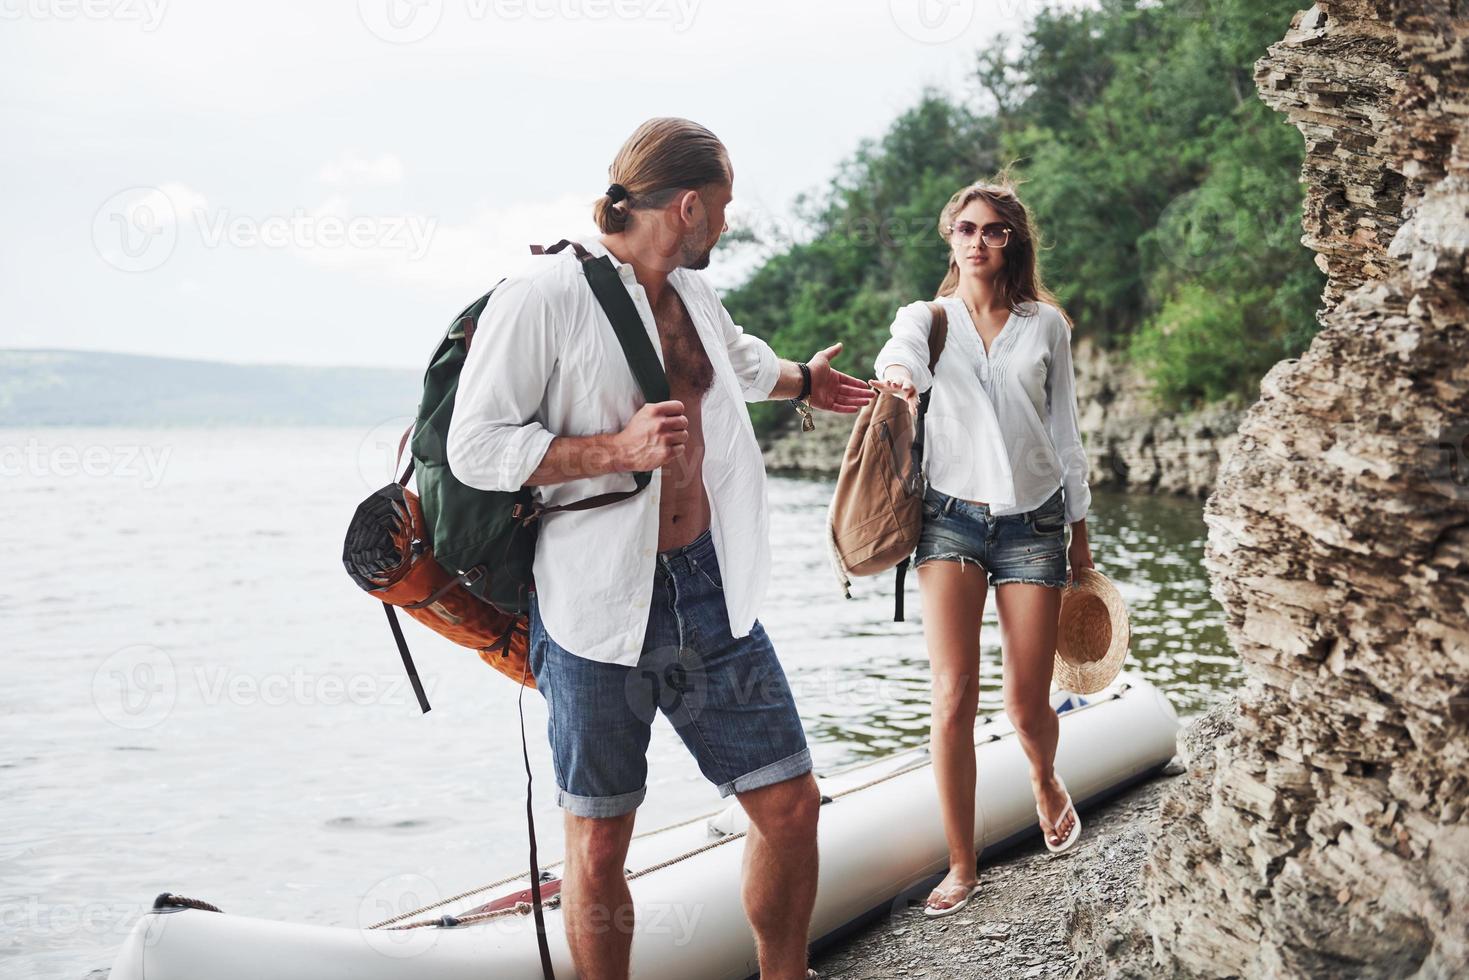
<point x="329" y="182"/>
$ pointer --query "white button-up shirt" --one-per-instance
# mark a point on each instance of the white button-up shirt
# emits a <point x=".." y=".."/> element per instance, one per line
<point x="544" y="362"/>
<point x="1001" y="425"/>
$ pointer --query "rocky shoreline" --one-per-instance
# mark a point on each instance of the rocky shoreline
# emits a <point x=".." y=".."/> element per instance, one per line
<point x="1039" y="917"/>
<point x="1131" y="445"/>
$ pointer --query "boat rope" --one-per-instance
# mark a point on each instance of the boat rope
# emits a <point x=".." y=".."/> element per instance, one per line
<point x="170" y="900"/>
<point x="516" y="877"/>
<point x="449" y="921"/>
<point x="452" y="898"/>
<point x="524" y="908"/>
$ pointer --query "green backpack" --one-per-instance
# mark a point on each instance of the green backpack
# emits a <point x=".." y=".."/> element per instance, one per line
<point x="479" y="545"/>
<point x="489" y="537"/>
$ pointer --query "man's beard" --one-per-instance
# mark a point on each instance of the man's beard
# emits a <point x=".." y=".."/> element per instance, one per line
<point x="694" y="253"/>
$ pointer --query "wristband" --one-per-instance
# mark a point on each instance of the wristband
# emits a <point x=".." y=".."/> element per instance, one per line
<point x="801" y="403"/>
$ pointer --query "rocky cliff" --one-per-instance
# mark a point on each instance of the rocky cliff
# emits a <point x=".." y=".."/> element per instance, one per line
<point x="1327" y="837"/>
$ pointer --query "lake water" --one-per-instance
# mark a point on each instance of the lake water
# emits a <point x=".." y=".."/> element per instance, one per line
<point x="199" y="700"/>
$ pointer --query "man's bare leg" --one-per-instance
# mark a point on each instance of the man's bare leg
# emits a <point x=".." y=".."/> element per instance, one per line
<point x="779" y="887"/>
<point x="595" y="901"/>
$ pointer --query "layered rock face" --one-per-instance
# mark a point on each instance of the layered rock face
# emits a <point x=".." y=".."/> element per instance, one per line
<point x="1327" y="835"/>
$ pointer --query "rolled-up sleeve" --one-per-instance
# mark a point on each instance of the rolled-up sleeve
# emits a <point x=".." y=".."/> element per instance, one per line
<point x="908" y="345"/>
<point x="1065" y="425"/>
<point x="494" y="440"/>
<point x="754" y="363"/>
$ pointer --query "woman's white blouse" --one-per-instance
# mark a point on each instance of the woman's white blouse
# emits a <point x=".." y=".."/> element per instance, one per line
<point x="1001" y="426"/>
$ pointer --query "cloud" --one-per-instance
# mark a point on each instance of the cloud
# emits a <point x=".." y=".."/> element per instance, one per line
<point x="185" y="199"/>
<point x="355" y="170"/>
<point x="462" y="252"/>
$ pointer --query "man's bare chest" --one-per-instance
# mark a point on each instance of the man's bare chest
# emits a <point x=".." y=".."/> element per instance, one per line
<point x="685" y="361"/>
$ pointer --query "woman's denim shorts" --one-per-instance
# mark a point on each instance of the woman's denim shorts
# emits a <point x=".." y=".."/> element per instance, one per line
<point x="1026" y="547"/>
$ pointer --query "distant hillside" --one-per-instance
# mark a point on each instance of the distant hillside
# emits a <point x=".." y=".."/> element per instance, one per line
<point x="54" y="387"/>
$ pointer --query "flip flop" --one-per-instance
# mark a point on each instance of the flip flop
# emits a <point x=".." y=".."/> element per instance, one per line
<point x="1072" y="837"/>
<point x="938" y="913"/>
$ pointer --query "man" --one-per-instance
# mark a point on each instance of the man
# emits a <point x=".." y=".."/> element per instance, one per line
<point x="650" y="603"/>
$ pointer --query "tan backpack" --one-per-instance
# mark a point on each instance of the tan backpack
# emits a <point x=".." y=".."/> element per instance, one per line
<point x="876" y="513"/>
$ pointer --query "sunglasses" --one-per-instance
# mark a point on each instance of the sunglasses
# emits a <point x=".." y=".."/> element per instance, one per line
<point x="993" y="235"/>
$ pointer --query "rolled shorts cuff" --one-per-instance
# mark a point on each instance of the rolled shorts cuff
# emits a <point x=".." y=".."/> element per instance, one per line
<point x="776" y="772"/>
<point x="1048" y="582"/>
<point x="600" y="806"/>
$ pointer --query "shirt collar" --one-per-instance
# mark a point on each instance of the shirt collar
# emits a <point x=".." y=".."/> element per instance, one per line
<point x="625" y="270"/>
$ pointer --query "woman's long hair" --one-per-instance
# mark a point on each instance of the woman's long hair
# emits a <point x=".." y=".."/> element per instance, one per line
<point x="1019" y="282"/>
<point x="662" y="157"/>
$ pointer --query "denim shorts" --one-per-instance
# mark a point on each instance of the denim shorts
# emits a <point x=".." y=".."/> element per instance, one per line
<point x="1026" y="547"/>
<point x="727" y="698"/>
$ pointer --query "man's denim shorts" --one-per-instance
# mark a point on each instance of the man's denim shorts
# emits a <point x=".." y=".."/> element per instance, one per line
<point x="1027" y="547"/>
<point x="727" y="698"/>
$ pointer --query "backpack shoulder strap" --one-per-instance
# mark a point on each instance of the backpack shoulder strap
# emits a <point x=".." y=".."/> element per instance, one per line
<point x="938" y="334"/>
<point x="642" y="359"/>
<point x="607" y="286"/>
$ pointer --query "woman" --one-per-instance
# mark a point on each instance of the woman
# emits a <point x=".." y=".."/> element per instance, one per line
<point x="1006" y="473"/>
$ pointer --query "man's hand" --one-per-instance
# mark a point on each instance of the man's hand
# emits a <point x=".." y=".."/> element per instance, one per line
<point x="897" y="381"/>
<point x="831" y="389"/>
<point x="653" y="437"/>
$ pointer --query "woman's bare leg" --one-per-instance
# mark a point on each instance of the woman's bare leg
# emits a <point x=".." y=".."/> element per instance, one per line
<point x="1028" y="620"/>
<point x="953" y="595"/>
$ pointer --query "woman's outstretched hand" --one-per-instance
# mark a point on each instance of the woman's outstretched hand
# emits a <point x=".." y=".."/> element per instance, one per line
<point x="899" y="382"/>
<point x="831" y="389"/>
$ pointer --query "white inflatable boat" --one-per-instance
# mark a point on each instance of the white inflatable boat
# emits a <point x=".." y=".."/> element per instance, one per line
<point x="881" y="841"/>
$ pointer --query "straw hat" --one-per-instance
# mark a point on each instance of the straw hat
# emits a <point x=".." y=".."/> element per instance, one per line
<point x="1093" y="634"/>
